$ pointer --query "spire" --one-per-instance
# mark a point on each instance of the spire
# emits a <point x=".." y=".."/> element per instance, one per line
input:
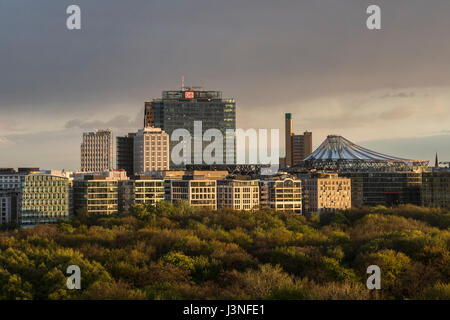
<point x="436" y="162"/>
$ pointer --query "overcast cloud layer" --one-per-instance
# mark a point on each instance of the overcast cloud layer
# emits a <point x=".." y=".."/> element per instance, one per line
<point x="387" y="89"/>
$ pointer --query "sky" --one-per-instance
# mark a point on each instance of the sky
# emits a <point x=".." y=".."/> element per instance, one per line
<point x="386" y="89"/>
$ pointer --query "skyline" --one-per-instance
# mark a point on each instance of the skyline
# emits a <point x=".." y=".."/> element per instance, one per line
<point x="385" y="90"/>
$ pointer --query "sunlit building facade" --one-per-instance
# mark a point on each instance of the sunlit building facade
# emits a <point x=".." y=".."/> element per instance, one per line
<point x="98" y="194"/>
<point x="179" y="109"/>
<point x="326" y="192"/>
<point x="141" y="190"/>
<point x="281" y="194"/>
<point x="45" y="199"/>
<point x="96" y="151"/>
<point x="238" y="194"/>
<point x="198" y="193"/>
<point x="151" y="150"/>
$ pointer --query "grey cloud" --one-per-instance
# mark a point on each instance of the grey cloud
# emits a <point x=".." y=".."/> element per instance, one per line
<point x="264" y="53"/>
<point x="351" y="117"/>
<point x="398" y="95"/>
<point x="260" y="51"/>
<point x="119" y="121"/>
<point x="4" y="140"/>
<point x="398" y="113"/>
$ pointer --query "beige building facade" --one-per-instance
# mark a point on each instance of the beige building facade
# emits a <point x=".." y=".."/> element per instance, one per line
<point x="199" y="193"/>
<point x="326" y="192"/>
<point x="142" y="190"/>
<point x="238" y="194"/>
<point x="281" y="194"/>
<point x="96" y="151"/>
<point x="151" y="150"/>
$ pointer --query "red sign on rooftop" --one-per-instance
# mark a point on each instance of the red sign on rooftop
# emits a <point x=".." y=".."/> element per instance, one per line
<point x="189" y="94"/>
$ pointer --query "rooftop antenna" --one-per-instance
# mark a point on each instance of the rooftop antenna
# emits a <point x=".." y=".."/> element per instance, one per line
<point x="182" y="82"/>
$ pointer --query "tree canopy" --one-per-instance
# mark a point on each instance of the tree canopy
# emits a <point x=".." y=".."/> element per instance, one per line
<point x="178" y="252"/>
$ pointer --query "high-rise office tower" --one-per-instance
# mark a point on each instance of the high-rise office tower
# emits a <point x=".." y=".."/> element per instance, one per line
<point x="125" y="153"/>
<point x="297" y="146"/>
<point x="151" y="150"/>
<point x="178" y="109"/>
<point x="96" y="151"/>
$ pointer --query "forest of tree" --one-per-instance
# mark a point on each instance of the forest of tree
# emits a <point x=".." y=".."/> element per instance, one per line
<point x="178" y="252"/>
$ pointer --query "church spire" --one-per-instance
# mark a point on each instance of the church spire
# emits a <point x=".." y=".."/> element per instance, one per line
<point x="436" y="162"/>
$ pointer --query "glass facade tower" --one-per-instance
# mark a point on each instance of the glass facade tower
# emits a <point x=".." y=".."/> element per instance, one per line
<point x="180" y="109"/>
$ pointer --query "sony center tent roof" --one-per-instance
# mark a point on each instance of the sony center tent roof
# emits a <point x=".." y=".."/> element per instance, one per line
<point x="337" y="149"/>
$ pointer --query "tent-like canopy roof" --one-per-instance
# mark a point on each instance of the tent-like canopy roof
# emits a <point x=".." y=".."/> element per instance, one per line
<point x="336" y="147"/>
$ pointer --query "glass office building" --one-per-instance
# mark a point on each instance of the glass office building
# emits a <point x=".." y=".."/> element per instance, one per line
<point x="179" y="109"/>
<point x="45" y="199"/>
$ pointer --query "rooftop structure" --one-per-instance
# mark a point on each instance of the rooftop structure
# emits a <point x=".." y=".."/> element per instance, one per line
<point x="338" y="153"/>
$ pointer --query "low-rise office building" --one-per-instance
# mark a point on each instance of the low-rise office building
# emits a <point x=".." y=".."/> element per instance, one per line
<point x="45" y="199"/>
<point x="435" y="192"/>
<point x="10" y="193"/>
<point x="388" y="188"/>
<point x="9" y="206"/>
<point x="238" y="194"/>
<point x="199" y="193"/>
<point x="326" y="192"/>
<point x="98" y="193"/>
<point x="11" y="179"/>
<point x="171" y="175"/>
<point x="140" y="190"/>
<point x="281" y="193"/>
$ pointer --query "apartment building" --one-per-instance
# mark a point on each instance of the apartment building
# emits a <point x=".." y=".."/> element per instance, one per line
<point x="238" y="194"/>
<point x="199" y="193"/>
<point x="326" y="192"/>
<point x="281" y="193"/>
